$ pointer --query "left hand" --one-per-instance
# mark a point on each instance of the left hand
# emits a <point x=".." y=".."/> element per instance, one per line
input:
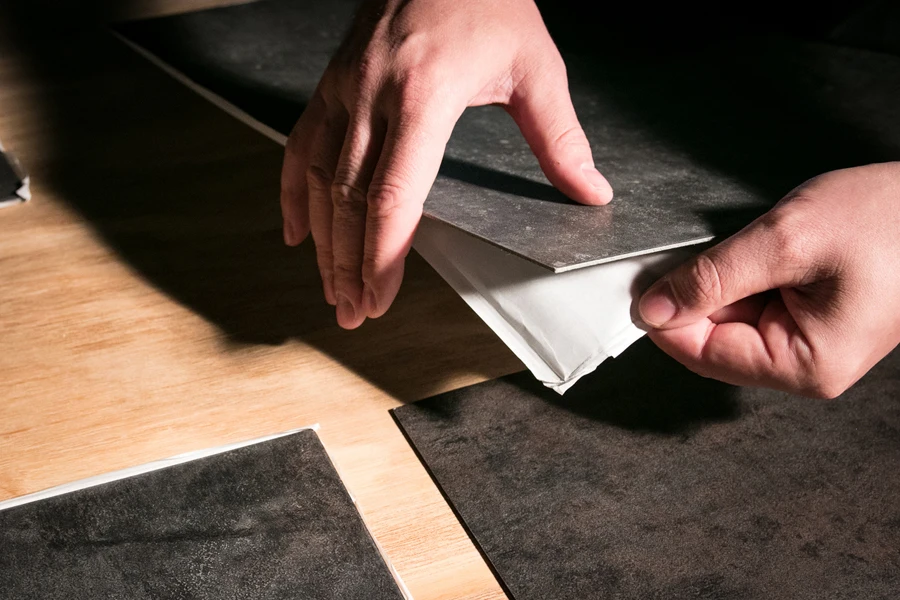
<point x="364" y="154"/>
<point x="805" y="299"/>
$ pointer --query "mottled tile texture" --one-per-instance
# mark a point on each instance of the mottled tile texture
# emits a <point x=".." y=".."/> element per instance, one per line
<point x="696" y="142"/>
<point x="271" y="520"/>
<point x="648" y="482"/>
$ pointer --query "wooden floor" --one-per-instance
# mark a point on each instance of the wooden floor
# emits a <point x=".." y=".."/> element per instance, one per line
<point x="148" y="306"/>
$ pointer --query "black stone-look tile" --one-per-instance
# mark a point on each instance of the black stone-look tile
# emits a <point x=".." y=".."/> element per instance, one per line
<point x="271" y="520"/>
<point x="696" y="142"/>
<point x="648" y="482"/>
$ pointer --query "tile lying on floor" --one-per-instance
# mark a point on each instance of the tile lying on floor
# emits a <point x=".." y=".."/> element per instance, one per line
<point x="695" y="144"/>
<point x="268" y="520"/>
<point x="646" y="481"/>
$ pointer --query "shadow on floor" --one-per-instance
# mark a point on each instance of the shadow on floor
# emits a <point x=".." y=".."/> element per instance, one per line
<point x="645" y="390"/>
<point x="188" y="198"/>
<point x="178" y="199"/>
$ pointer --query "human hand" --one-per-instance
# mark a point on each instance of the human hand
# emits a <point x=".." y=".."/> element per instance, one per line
<point x="363" y="156"/>
<point x="805" y="299"/>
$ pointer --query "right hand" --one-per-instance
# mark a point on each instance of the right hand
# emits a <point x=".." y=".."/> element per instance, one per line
<point x="805" y="299"/>
<point x="363" y="156"/>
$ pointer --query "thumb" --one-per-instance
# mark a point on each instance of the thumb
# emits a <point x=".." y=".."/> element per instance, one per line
<point x="542" y="108"/>
<point x="764" y="256"/>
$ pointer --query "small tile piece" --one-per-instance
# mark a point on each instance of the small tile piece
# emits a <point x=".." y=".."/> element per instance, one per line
<point x="646" y="481"/>
<point x="271" y="520"/>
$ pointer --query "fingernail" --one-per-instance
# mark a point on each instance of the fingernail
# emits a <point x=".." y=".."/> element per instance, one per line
<point x="598" y="181"/>
<point x="345" y="310"/>
<point x="290" y="238"/>
<point x="657" y="306"/>
<point x="369" y="301"/>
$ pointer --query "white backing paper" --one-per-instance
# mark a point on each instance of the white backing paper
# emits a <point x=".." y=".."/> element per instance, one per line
<point x="561" y="325"/>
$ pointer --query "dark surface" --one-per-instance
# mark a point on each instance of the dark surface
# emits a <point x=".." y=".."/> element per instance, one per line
<point x="874" y="25"/>
<point x="648" y="482"/>
<point x="271" y="520"/>
<point x="696" y="141"/>
<point x="10" y="182"/>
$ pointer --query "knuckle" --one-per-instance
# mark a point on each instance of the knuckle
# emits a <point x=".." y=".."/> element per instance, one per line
<point x="702" y="285"/>
<point x="317" y="177"/>
<point x="345" y="271"/>
<point x="572" y="135"/>
<point x="789" y="237"/>
<point x="354" y="75"/>
<point x="541" y="68"/>
<point x="347" y="197"/>
<point x="371" y="267"/>
<point x="415" y="53"/>
<point x="413" y="87"/>
<point x="412" y="93"/>
<point x="383" y="199"/>
<point x="364" y="73"/>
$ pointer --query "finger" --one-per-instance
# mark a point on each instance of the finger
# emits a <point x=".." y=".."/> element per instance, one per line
<point x="542" y="108"/>
<point x="323" y="162"/>
<point x="359" y="156"/>
<point x="764" y="256"/>
<point x="771" y="354"/>
<point x="294" y="189"/>
<point x="746" y="311"/>
<point x="413" y="149"/>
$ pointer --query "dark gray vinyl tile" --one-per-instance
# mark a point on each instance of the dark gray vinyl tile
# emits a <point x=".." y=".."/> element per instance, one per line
<point x="269" y="521"/>
<point x="648" y="482"/>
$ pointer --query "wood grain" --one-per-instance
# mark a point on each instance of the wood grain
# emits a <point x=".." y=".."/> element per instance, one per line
<point x="148" y="306"/>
